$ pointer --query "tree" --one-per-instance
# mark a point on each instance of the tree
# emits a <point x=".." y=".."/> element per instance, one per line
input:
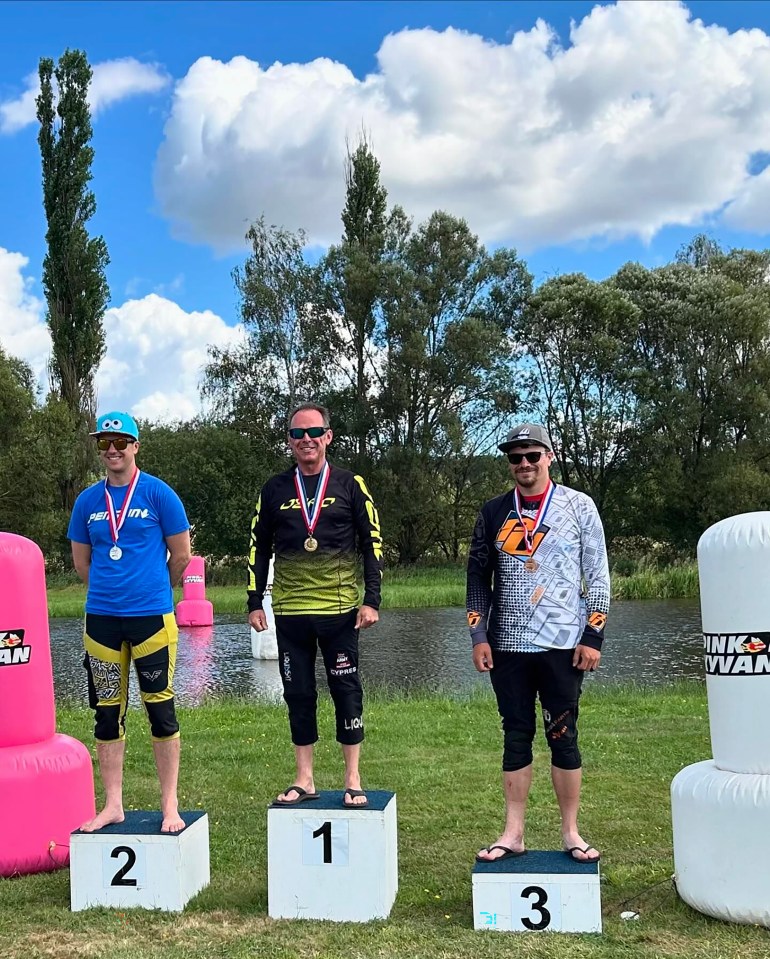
<point x="282" y="360"/>
<point x="579" y="336"/>
<point x="74" y="277"/>
<point x="449" y="311"/>
<point x="702" y="356"/>
<point x="217" y="472"/>
<point x="353" y="273"/>
<point x="31" y="435"/>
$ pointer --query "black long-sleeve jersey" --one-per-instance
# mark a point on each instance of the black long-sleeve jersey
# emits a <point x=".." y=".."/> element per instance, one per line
<point x="323" y="581"/>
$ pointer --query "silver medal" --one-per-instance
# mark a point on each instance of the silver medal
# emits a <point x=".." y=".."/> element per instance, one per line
<point x="116" y="552"/>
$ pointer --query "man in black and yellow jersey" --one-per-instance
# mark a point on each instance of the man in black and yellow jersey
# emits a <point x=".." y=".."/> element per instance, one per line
<point x="316" y="518"/>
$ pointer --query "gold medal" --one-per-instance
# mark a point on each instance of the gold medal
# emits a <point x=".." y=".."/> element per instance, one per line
<point x="530" y="565"/>
<point x="311" y="544"/>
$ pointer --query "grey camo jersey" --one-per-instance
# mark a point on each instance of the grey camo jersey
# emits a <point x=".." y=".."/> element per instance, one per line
<point x="526" y="611"/>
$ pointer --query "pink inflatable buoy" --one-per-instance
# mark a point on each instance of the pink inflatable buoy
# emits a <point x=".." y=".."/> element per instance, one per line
<point x="46" y="780"/>
<point x="194" y="609"/>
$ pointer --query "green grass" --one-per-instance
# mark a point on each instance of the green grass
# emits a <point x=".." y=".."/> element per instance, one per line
<point x="442" y="757"/>
<point x="421" y="588"/>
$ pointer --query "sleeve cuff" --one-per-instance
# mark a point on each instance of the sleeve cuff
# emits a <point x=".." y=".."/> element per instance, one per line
<point x="591" y="639"/>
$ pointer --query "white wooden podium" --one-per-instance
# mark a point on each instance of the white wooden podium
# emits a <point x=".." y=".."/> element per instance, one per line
<point x="133" y="864"/>
<point x="542" y="891"/>
<point x="329" y="861"/>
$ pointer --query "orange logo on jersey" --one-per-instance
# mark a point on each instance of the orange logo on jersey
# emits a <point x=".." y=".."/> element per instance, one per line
<point x="597" y="620"/>
<point x="474" y="619"/>
<point x="510" y="538"/>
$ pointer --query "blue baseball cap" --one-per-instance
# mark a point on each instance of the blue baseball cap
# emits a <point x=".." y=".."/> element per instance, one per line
<point x="122" y="423"/>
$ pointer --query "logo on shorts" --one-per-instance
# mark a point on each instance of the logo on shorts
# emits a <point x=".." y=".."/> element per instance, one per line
<point x="155" y="674"/>
<point x="343" y="666"/>
<point x="106" y="677"/>
<point x="286" y="668"/>
<point x="13" y="652"/>
<point x="355" y="723"/>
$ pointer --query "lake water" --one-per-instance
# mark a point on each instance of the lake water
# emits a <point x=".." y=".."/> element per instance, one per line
<point x="651" y="642"/>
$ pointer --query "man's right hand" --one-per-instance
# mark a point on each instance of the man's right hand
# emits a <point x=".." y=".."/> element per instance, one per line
<point x="482" y="657"/>
<point x="258" y="620"/>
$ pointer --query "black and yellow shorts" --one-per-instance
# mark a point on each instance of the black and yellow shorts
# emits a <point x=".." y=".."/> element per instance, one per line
<point x="111" y="642"/>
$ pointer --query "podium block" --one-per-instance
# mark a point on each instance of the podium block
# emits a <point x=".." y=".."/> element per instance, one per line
<point x="328" y="861"/>
<point x="539" y="892"/>
<point x="133" y="864"/>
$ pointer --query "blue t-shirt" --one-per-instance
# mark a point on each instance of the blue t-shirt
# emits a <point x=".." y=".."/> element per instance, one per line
<point x="138" y="583"/>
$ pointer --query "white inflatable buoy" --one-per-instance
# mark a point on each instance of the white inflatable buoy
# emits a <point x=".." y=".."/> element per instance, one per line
<point x="720" y="808"/>
<point x="264" y="645"/>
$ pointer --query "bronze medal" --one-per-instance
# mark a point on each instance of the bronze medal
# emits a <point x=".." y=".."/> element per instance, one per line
<point x="531" y="565"/>
<point x="311" y="544"/>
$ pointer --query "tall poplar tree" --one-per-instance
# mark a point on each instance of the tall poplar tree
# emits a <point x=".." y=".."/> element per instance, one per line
<point x="353" y="271"/>
<point x="74" y="278"/>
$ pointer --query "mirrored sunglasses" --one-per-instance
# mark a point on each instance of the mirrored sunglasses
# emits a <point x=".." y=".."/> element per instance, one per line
<point x="314" y="432"/>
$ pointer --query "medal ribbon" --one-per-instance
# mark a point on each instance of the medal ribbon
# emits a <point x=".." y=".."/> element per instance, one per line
<point x="545" y="502"/>
<point x="311" y="518"/>
<point x="115" y="525"/>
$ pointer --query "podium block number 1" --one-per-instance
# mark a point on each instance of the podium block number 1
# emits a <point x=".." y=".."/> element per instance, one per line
<point x="124" y="867"/>
<point x="536" y="907"/>
<point x="325" y="842"/>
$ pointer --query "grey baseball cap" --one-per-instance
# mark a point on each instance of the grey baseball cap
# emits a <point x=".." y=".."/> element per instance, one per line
<point x="524" y="435"/>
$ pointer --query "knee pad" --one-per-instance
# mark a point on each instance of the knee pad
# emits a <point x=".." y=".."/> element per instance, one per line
<point x="561" y="736"/>
<point x="109" y="726"/>
<point x="517" y="750"/>
<point x="162" y="715"/>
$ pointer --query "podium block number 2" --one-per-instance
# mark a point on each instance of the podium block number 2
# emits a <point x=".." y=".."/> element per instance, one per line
<point x="325" y="842"/>
<point x="536" y="907"/>
<point x="123" y="867"/>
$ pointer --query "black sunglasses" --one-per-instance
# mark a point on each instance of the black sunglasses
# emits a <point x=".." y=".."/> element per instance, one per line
<point x="532" y="457"/>
<point x="120" y="443"/>
<point x="314" y="432"/>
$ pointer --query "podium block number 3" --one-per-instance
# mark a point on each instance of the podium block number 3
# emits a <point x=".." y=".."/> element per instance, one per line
<point x="325" y="842"/>
<point x="537" y="907"/>
<point x="123" y="867"/>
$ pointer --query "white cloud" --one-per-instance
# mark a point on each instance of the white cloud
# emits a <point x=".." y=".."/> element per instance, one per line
<point x="155" y="350"/>
<point x="155" y="355"/>
<point x="112" y="81"/>
<point x="646" y="118"/>
<point x="23" y="332"/>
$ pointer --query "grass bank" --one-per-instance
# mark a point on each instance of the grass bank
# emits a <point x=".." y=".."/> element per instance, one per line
<point x="442" y="757"/>
<point x="423" y="587"/>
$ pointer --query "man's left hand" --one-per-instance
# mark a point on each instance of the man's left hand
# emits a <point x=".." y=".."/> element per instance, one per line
<point x="366" y="617"/>
<point x="586" y="658"/>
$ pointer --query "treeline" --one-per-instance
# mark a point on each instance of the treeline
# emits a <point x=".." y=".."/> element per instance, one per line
<point x="426" y="346"/>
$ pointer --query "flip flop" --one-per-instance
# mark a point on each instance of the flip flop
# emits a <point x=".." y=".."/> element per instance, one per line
<point x="584" y="849"/>
<point x="353" y="793"/>
<point x="507" y="854"/>
<point x="302" y="796"/>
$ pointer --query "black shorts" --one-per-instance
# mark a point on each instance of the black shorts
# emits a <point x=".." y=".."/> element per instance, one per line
<point x="518" y="680"/>
<point x="299" y="638"/>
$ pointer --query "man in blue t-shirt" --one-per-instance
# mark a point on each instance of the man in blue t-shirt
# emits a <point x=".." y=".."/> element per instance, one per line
<point x="130" y="544"/>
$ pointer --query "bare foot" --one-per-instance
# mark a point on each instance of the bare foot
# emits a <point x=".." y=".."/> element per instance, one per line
<point x="108" y="815"/>
<point x="504" y="846"/>
<point x="580" y="850"/>
<point x="172" y="822"/>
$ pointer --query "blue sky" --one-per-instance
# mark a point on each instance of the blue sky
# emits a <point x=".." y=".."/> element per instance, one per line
<point x="616" y="136"/>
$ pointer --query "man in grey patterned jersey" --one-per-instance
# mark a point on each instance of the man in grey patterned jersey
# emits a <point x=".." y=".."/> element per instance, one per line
<point x="540" y="628"/>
